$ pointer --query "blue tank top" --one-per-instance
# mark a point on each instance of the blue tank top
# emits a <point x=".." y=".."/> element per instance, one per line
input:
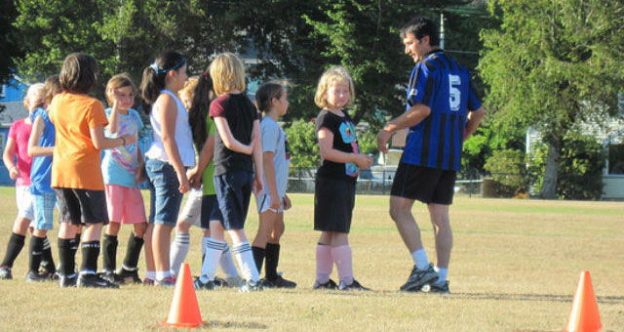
<point x="41" y="171"/>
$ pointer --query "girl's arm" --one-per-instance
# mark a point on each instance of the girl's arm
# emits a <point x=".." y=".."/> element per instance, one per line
<point x="271" y="184"/>
<point x="101" y="142"/>
<point x="113" y="119"/>
<point x="205" y="156"/>
<point x="167" y="118"/>
<point x="34" y="149"/>
<point x="326" y="140"/>
<point x="7" y="157"/>
<point x="256" y="143"/>
<point x="228" y="139"/>
<point x="139" y="175"/>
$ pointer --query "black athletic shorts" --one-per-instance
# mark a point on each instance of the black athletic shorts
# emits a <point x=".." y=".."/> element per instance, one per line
<point x="333" y="205"/>
<point x="428" y="185"/>
<point x="82" y="206"/>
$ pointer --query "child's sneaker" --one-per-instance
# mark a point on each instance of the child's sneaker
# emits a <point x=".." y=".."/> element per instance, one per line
<point x="440" y="288"/>
<point x="36" y="277"/>
<point x="278" y="282"/>
<point x="232" y="282"/>
<point x="127" y="276"/>
<point x="251" y="286"/>
<point x="419" y="278"/>
<point x="329" y="284"/>
<point x="355" y="286"/>
<point x="109" y="276"/>
<point x="67" y="281"/>
<point x="5" y="273"/>
<point x="149" y="282"/>
<point x="198" y="284"/>
<point x="169" y="281"/>
<point x="94" y="281"/>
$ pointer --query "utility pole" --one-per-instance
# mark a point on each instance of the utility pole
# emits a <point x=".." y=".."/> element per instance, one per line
<point x="441" y="29"/>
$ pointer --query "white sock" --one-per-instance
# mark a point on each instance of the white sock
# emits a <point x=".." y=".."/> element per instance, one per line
<point x="212" y="253"/>
<point x="227" y="263"/>
<point x="420" y="259"/>
<point x="179" y="250"/>
<point x="150" y="275"/>
<point x="442" y="275"/>
<point x="244" y="257"/>
<point x="161" y="275"/>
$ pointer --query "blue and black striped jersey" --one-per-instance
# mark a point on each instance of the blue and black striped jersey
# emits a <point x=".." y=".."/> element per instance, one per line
<point x="445" y="86"/>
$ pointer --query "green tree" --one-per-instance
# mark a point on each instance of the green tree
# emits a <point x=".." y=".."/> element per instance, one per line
<point x="551" y="64"/>
<point x="9" y="48"/>
<point x="304" y="150"/>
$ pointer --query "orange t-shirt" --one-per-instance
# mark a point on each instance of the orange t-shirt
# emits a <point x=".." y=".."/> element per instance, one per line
<point x="76" y="162"/>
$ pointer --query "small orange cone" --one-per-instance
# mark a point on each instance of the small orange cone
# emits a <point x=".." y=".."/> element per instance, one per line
<point x="585" y="316"/>
<point x="184" y="310"/>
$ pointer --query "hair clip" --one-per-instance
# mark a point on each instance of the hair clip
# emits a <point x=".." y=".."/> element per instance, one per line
<point x="157" y="70"/>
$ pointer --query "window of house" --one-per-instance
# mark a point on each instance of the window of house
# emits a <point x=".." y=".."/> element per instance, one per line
<point x="616" y="159"/>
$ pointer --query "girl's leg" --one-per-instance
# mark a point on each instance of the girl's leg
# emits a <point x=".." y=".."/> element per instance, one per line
<point x="150" y="275"/>
<point x="67" y="253"/>
<point x="213" y="246"/>
<point x="15" y="245"/>
<point x="161" y="242"/>
<point x="109" y="257"/>
<point x="265" y="224"/>
<point x="324" y="262"/>
<point x="180" y="246"/>
<point x="272" y="256"/>
<point x="129" y="269"/>
<point x="36" y="254"/>
<point x="242" y="253"/>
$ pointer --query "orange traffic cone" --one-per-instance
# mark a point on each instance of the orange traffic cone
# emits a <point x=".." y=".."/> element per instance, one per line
<point x="184" y="310"/>
<point x="585" y="316"/>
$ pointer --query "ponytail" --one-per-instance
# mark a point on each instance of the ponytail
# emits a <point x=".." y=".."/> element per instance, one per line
<point x="202" y="96"/>
<point x="154" y="75"/>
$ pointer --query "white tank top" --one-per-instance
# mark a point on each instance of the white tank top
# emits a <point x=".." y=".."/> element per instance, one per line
<point x="183" y="135"/>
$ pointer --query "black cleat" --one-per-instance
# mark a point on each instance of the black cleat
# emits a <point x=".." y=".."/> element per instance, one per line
<point x="329" y="284"/>
<point x="94" y="281"/>
<point x="354" y="286"/>
<point x="5" y="273"/>
<point x="198" y="284"/>
<point x="419" y="278"/>
<point x="36" y="277"/>
<point x="440" y="289"/>
<point x="251" y="286"/>
<point x="67" y="281"/>
<point x="127" y="276"/>
<point x="278" y="282"/>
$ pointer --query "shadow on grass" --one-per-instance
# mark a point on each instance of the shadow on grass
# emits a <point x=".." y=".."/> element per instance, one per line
<point x="533" y="297"/>
<point x="212" y="324"/>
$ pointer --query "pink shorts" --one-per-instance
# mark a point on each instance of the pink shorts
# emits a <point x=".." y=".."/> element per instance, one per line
<point x="125" y="205"/>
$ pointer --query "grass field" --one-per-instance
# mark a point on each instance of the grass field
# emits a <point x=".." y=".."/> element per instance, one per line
<point x="515" y="267"/>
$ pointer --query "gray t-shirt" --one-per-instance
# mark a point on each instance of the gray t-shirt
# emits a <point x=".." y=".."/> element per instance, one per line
<point x="274" y="140"/>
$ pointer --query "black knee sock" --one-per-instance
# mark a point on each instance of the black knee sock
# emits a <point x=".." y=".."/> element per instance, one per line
<point x="134" y="251"/>
<point x="272" y="259"/>
<point x="36" y="252"/>
<point x="47" y="261"/>
<point x="258" y="255"/>
<point x="110" y="253"/>
<point x="75" y="245"/>
<point x="90" y="253"/>
<point x="15" y="245"/>
<point x="67" y="259"/>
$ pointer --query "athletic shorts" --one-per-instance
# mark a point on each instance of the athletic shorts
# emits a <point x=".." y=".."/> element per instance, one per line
<point x="428" y="185"/>
<point x="82" y="206"/>
<point x="234" y="194"/>
<point x="210" y="210"/>
<point x="165" y="198"/>
<point x="334" y="200"/>
<point x="44" y="210"/>
<point x="24" y="200"/>
<point x="263" y="202"/>
<point x="125" y="204"/>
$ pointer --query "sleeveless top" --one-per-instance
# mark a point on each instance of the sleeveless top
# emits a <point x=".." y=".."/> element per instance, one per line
<point x="183" y="136"/>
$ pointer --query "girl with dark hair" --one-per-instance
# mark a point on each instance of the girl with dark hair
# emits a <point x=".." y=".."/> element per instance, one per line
<point x="167" y="159"/>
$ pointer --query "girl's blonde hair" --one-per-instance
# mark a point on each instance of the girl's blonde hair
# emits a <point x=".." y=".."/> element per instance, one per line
<point x="228" y="73"/>
<point x="335" y="74"/>
<point x="186" y="93"/>
<point x="116" y="82"/>
<point x="35" y="96"/>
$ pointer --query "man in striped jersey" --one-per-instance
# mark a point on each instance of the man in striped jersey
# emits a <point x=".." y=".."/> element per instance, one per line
<point x="442" y="111"/>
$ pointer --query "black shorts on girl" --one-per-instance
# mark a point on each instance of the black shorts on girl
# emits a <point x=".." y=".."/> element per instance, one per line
<point x="82" y="206"/>
<point x="233" y="194"/>
<point x="428" y="185"/>
<point x="334" y="200"/>
<point x="209" y="210"/>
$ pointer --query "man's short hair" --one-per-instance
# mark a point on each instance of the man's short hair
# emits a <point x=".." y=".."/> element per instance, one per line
<point x="421" y="26"/>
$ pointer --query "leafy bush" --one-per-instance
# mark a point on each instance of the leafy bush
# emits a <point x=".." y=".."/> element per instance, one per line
<point x="581" y="163"/>
<point x="368" y="142"/>
<point x="507" y="170"/>
<point x="304" y="150"/>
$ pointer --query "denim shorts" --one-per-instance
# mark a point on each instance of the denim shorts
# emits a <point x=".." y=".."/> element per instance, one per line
<point x="165" y="198"/>
<point x="44" y="210"/>
<point x="234" y="194"/>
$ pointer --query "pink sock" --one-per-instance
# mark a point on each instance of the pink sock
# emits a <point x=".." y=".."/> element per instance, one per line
<point x="324" y="263"/>
<point x="342" y="257"/>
